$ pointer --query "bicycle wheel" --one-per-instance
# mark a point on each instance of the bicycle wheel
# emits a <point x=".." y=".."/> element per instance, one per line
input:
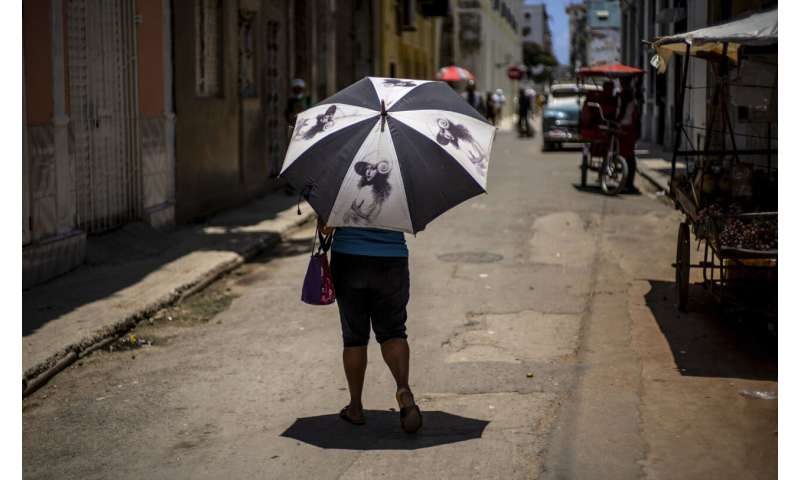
<point x="613" y="174"/>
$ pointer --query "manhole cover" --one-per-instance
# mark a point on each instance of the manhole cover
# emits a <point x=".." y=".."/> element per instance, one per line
<point x="470" y="257"/>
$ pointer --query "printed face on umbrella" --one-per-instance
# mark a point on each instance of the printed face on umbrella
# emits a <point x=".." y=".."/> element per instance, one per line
<point x="451" y="133"/>
<point x="369" y="170"/>
<point x="395" y="82"/>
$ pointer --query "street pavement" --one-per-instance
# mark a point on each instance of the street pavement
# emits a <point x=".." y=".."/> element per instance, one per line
<point x="544" y="340"/>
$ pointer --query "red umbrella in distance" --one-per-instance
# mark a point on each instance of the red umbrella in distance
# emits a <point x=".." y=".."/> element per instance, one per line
<point x="454" y="74"/>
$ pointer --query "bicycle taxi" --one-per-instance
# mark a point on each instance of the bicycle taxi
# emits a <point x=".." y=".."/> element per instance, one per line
<point x="609" y="124"/>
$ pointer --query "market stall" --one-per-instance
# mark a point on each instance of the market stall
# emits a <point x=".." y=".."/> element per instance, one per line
<point x="728" y="192"/>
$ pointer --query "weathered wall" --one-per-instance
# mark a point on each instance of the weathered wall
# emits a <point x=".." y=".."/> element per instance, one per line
<point x="157" y="168"/>
<point x="207" y="129"/>
<point x="151" y="66"/>
<point x="51" y="246"/>
<point x="38" y="61"/>
<point x="413" y="53"/>
<point x="38" y="64"/>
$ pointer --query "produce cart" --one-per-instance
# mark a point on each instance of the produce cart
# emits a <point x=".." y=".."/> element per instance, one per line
<point x="728" y="192"/>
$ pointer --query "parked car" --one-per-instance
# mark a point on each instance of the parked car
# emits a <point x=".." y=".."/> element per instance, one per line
<point x="561" y="114"/>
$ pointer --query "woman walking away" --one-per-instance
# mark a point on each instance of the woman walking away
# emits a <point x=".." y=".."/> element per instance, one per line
<point x="371" y="278"/>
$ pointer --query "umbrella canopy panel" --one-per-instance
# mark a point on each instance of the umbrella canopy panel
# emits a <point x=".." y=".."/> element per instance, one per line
<point x="389" y="153"/>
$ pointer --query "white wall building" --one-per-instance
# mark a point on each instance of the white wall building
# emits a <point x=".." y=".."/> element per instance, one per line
<point x="487" y="41"/>
<point x="535" y="26"/>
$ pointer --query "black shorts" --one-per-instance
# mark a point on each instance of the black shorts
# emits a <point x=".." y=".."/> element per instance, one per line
<point x="370" y="289"/>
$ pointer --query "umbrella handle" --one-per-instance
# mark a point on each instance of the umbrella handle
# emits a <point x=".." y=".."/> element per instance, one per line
<point x="383" y="114"/>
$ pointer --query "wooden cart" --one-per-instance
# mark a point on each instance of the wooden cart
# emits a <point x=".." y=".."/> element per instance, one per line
<point x="719" y="260"/>
<point x="723" y="45"/>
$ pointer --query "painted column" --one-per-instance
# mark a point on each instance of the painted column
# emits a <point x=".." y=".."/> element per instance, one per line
<point x="313" y="52"/>
<point x="26" y="178"/>
<point x="169" y="109"/>
<point x="65" y="180"/>
<point x="377" y="43"/>
<point x="330" y="66"/>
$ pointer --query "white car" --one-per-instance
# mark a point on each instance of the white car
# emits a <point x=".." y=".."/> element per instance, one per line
<point x="562" y="113"/>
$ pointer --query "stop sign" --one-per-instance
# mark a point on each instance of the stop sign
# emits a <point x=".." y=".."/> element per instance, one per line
<point x="514" y="72"/>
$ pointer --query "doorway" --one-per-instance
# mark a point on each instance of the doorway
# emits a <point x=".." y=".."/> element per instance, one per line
<point x="104" y="113"/>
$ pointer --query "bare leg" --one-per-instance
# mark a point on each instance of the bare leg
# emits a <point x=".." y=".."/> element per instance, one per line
<point x="355" y="365"/>
<point x="395" y="353"/>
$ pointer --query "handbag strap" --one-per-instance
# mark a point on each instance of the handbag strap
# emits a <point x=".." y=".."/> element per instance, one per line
<point x="324" y="242"/>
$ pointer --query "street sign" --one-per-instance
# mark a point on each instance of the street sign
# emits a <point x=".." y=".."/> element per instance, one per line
<point x="514" y="72"/>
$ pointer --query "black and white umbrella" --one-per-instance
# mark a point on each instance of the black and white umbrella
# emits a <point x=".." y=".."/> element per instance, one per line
<point x="389" y="153"/>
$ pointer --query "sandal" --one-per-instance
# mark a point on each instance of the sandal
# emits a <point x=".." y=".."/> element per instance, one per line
<point x="410" y="415"/>
<point x="347" y="418"/>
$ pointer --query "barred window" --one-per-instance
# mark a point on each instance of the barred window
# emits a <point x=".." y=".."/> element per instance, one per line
<point x="208" y="48"/>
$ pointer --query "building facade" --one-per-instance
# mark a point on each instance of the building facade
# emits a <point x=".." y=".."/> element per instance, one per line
<point x="484" y="36"/>
<point x="603" y="21"/>
<point x="645" y="20"/>
<point x="409" y="39"/>
<point x="98" y="125"/>
<point x="536" y="27"/>
<point x="578" y="36"/>
<point x="165" y="112"/>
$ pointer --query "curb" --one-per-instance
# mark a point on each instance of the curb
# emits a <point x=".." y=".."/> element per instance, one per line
<point x="38" y="375"/>
<point x="652" y="177"/>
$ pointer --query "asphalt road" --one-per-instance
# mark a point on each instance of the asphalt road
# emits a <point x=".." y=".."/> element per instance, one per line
<point x="544" y="340"/>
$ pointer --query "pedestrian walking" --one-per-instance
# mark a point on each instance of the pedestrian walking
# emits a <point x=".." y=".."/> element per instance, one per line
<point x="346" y="157"/>
<point x="474" y="98"/>
<point x="298" y="101"/>
<point x="523" y="110"/>
<point x="499" y="100"/>
<point x="490" y="108"/>
<point x="370" y="275"/>
<point x="628" y="117"/>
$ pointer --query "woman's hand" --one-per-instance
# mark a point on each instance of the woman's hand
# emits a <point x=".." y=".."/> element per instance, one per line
<point x="326" y="230"/>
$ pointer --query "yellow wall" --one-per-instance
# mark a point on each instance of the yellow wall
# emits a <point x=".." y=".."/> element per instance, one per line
<point x="413" y="53"/>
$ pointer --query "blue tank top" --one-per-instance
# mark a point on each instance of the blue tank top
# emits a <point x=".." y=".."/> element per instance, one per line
<point x="369" y="242"/>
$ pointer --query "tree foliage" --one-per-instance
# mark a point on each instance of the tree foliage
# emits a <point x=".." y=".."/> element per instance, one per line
<point x="533" y="54"/>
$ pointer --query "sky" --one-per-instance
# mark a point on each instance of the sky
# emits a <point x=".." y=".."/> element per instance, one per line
<point x="559" y="26"/>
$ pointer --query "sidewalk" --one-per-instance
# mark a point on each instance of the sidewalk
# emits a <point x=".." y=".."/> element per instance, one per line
<point x="132" y="272"/>
<point x="655" y="165"/>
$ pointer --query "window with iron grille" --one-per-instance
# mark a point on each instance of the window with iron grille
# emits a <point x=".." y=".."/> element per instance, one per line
<point x="208" y="48"/>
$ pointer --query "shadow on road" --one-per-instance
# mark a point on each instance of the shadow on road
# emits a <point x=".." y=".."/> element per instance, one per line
<point x="382" y="431"/>
<point x="564" y="149"/>
<point x="706" y="342"/>
<point x="597" y="190"/>
<point x="290" y="247"/>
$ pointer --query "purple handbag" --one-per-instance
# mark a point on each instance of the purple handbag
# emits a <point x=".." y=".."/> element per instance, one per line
<point x="318" y="284"/>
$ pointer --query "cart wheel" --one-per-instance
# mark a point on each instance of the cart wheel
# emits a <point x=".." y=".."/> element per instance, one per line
<point x="584" y="165"/>
<point x="613" y="174"/>
<point x="682" y="262"/>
